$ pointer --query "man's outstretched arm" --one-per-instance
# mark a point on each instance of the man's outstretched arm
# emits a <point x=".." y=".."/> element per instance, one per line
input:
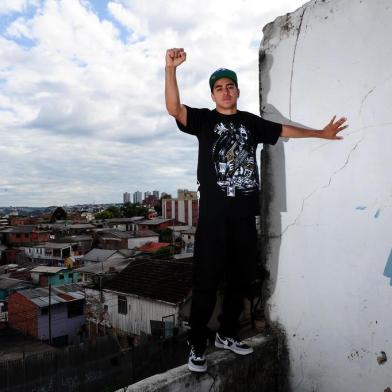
<point x="330" y="131"/>
<point x="174" y="57"/>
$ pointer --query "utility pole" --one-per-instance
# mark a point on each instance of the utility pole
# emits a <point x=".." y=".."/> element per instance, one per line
<point x="50" y="315"/>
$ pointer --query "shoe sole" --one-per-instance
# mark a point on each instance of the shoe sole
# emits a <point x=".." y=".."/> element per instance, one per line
<point x="197" y="369"/>
<point x="243" y="352"/>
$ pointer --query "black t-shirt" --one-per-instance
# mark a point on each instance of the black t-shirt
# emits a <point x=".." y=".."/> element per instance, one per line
<point x="227" y="168"/>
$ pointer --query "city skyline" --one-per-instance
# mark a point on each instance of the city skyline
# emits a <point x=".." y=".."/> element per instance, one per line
<point x="82" y="92"/>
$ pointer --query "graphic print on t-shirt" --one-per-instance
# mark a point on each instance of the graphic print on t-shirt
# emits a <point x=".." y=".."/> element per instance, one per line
<point x="234" y="160"/>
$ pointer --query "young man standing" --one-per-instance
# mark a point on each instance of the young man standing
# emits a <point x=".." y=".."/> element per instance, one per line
<point x="226" y="240"/>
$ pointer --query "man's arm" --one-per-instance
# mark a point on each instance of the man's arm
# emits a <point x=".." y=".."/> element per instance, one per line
<point x="330" y="131"/>
<point x="174" y="57"/>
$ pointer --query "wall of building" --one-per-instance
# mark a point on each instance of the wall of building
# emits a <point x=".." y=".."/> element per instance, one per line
<point x="140" y="312"/>
<point x="61" y="325"/>
<point x="328" y="227"/>
<point x="22" y="314"/>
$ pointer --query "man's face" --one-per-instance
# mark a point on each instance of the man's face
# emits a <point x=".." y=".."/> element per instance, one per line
<point x="225" y="94"/>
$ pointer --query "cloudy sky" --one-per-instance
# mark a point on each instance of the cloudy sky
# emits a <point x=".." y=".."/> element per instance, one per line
<point x="82" y="114"/>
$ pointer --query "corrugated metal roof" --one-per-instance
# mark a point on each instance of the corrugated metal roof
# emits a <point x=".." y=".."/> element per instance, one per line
<point x="47" y="269"/>
<point x="99" y="255"/>
<point x="40" y="296"/>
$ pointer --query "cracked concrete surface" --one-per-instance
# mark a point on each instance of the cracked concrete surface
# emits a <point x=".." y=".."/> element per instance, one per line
<point x="226" y="371"/>
<point x="326" y="204"/>
<point x="322" y="187"/>
<point x="293" y="61"/>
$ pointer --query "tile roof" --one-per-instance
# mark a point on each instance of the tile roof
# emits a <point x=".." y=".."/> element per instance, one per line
<point x="162" y="280"/>
<point x="153" y="246"/>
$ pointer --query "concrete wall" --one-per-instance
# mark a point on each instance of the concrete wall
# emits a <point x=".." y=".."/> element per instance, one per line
<point x="328" y="228"/>
<point x="263" y="371"/>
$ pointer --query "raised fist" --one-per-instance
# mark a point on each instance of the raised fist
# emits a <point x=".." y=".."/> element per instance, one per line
<point x="175" y="57"/>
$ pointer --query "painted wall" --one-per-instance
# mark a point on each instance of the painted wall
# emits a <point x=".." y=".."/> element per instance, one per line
<point x="140" y="312"/>
<point x="61" y="324"/>
<point x="328" y="226"/>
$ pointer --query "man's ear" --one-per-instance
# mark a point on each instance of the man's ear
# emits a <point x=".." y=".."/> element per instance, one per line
<point x="238" y="92"/>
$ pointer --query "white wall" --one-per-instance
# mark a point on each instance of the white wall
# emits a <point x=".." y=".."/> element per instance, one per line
<point x="140" y="312"/>
<point x="139" y="241"/>
<point x="330" y="223"/>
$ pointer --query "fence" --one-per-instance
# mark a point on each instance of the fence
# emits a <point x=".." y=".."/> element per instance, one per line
<point x="101" y="366"/>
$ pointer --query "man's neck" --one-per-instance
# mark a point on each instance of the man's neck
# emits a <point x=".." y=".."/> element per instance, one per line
<point x="227" y="112"/>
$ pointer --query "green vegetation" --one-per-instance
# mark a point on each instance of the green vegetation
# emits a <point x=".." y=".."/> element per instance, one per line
<point x="128" y="210"/>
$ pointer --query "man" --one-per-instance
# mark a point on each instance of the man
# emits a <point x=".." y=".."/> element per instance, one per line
<point x="226" y="240"/>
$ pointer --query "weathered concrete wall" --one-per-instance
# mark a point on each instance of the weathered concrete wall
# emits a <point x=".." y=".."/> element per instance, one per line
<point x="263" y="371"/>
<point x="328" y="227"/>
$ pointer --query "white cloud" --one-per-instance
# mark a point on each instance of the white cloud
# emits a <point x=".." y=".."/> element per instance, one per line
<point x="7" y="6"/>
<point x="82" y="113"/>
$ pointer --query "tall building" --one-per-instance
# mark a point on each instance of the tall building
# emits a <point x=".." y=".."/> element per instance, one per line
<point x="184" y="209"/>
<point x="137" y="197"/>
<point x="146" y="194"/>
<point x="126" y="197"/>
<point x="156" y="194"/>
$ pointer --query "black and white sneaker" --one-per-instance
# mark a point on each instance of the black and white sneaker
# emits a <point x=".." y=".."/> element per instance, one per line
<point x="197" y="361"/>
<point x="232" y="343"/>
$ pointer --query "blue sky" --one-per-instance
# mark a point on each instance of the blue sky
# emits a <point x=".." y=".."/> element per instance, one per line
<point x="82" y="115"/>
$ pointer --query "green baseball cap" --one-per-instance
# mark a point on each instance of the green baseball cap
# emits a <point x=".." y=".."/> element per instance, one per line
<point x="223" y="73"/>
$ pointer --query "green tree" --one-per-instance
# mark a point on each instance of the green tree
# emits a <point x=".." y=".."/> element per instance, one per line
<point x="110" y="213"/>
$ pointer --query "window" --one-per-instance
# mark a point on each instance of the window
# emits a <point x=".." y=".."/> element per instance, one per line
<point x="61" y="276"/>
<point x="122" y="304"/>
<point x="75" y="308"/>
<point x="70" y="275"/>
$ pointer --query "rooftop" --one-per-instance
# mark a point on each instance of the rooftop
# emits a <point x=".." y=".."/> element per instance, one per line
<point x="153" y="246"/>
<point x="155" y="221"/>
<point x="115" y="265"/>
<point x="99" y="255"/>
<point x="59" y="294"/>
<point x="47" y="269"/>
<point x="167" y="281"/>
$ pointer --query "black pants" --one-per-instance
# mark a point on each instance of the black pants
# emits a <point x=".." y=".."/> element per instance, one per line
<point x="225" y="252"/>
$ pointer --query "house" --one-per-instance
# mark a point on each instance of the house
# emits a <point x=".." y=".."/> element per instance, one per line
<point x="55" y="316"/>
<point x="155" y="224"/>
<point x="9" y="286"/>
<point x="24" y="235"/>
<point x="149" y="296"/>
<point x="123" y="224"/>
<point x="55" y="276"/>
<point x="142" y="237"/>
<point x="2" y="251"/>
<point x="53" y="252"/>
<point x="114" y="239"/>
<point x="93" y="272"/>
<point x="81" y="243"/>
<point x="101" y="255"/>
<point x="66" y="228"/>
<point x="188" y="240"/>
<point x="10" y="255"/>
